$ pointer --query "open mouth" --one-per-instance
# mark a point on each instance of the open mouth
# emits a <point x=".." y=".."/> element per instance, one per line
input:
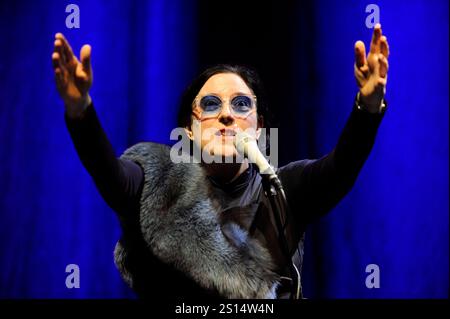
<point x="226" y="132"/>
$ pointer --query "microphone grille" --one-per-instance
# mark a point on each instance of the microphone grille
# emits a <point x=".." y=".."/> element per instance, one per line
<point x="242" y="138"/>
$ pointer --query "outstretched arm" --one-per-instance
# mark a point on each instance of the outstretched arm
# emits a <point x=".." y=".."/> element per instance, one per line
<point x="313" y="187"/>
<point x="119" y="181"/>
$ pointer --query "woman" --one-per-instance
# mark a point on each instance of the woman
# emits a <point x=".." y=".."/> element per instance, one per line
<point x="208" y="229"/>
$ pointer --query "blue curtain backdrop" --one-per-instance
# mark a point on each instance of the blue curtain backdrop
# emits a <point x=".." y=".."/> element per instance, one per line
<point x="51" y="213"/>
<point x="396" y="216"/>
<point x="144" y="54"/>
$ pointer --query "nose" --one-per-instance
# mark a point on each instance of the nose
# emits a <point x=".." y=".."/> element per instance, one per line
<point x="225" y="116"/>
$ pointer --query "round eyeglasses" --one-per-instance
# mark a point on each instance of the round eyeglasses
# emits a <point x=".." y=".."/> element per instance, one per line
<point x="210" y="105"/>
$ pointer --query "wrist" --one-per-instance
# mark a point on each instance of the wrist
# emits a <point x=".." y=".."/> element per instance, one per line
<point x="77" y="110"/>
<point x="374" y="107"/>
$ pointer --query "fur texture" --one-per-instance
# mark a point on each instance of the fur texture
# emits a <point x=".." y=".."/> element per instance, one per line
<point x="179" y="220"/>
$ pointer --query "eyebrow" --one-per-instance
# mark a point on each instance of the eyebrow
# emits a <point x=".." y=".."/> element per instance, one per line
<point x="233" y="94"/>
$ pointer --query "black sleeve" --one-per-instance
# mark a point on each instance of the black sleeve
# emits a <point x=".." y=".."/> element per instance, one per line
<point x="314" y="187"/>
<point x="118" y="181"/>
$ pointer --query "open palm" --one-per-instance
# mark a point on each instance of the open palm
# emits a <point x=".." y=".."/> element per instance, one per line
<point x="73" y="78"/>
<point x="371" y="72"/>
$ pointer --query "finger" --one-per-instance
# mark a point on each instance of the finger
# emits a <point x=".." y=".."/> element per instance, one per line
<point x="360" y="54"/>
<point x="85" y="56"/>
<point x="56" y="61"/>
<point x="67" y="49"/>
<point x="59" y="79"/>
<point x="375" y="43"/>
<point x="363" y="70"/>
<point x="58" y="48"/>
<point x="384" y="46"/>
<point x="359" y="76"/>
<point x="59" y="70"/>
<point x="383" y="65"/>
<point x="360" y="72"/>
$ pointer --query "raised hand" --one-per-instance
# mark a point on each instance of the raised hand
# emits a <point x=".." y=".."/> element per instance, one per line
<point x="371" y="72"/>
<point x="73" y="78"/>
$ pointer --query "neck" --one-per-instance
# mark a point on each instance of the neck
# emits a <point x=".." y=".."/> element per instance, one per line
<point x="225" y="172"/>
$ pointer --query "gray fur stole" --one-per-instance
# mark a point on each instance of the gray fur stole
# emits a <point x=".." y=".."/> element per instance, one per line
<point x="179" y="222"/>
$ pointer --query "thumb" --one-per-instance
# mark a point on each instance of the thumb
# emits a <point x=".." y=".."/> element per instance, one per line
<point x="360" y="54"/>
<point x="85" y="55"/>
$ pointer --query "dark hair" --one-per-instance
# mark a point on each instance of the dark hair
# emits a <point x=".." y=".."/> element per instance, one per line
<point x="250" y="77"/>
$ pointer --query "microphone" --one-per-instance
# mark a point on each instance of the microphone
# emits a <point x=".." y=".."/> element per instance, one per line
<point x="246" y="145"/>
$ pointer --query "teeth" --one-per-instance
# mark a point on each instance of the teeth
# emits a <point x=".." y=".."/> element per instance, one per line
<point x="226" y="133"/>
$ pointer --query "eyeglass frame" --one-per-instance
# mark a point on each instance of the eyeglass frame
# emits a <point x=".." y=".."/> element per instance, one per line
<point x="195" y="103"/>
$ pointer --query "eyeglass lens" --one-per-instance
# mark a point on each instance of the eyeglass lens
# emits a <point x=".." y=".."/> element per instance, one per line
<point x="212" y="105"/>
